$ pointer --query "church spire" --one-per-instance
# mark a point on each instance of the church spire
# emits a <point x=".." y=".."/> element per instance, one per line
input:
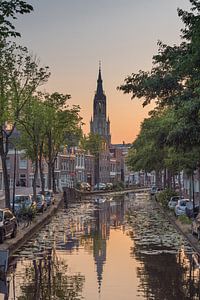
<point x="99" y="82"/>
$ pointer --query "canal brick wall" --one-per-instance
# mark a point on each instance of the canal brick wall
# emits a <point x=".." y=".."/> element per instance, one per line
<point x="184" y="229"/>
<point x="24" y="234"/>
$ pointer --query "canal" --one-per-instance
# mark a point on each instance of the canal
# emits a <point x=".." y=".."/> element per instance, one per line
<point x="119" y="249"/>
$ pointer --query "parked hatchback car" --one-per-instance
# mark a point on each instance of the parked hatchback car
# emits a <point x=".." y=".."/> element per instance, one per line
<point x="85" y="186"/>
<point x="180" y="208"/>
<point x="40" y="203"/>
<point x="173" y="201"/>
<point x="109" y="185"/>
<point x="21" y="202"/>
<point x="8" y="224"/>
<point x="192" y="210"/>
<point x="100" y="186"/>
<point x="48" y="195"/>
<point x="154" y="190"/>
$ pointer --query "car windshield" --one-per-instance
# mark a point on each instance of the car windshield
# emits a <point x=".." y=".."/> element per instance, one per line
<point x="182" y="203"/>
<point x="47" y="193"/>
<point x="174" y="200"/>
<point x="20" y="199"/>
<point x="38" y="197"/>
<point x="1" y="215"/>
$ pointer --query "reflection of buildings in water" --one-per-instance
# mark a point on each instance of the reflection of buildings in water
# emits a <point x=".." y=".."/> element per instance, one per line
<point x="4" y="289"/>
<point x="92" y="233"/>
<point x="45" y="277"/>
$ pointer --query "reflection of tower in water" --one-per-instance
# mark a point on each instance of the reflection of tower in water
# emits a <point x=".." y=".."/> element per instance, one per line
<point x="100" y="234"/>
<point x="109" y="214"/>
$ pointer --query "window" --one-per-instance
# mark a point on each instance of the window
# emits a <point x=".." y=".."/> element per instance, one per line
<point x="22" y="179"/>
<point x="8" y="162"/>
<point x="23" y="163"/>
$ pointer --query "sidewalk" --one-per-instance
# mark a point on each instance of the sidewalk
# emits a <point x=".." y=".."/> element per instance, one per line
<point x="26" y="233"/>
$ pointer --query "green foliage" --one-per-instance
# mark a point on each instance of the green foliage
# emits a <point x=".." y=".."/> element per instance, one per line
<point x="93" y="143"/>
<point x="184" y="219"/>
<point x="164" y="196"/>
<point x="9" y="10"/>
<point x="78" y="185"/>
<point x="20" y="76"/>
<point x="173" y="84"/>
<point x="118" y="186"/>
<point x="27" y="213"/>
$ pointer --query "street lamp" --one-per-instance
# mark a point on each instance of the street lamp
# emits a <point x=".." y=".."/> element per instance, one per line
<point x="14" y="179"/>
<point x="14" y="175"/>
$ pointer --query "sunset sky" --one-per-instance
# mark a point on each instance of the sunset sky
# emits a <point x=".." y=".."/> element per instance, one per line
<point x="71" y="36"/>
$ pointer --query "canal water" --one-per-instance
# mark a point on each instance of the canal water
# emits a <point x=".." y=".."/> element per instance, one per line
<point x="110" y="248"/>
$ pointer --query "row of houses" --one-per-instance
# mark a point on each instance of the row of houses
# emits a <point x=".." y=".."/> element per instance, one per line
<point x="72" y="166"/>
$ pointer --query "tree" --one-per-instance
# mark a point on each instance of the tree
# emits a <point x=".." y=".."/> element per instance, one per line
<point x="32" y="133"/>
<point x="20" y="76"/>
<point x="61" y="124"/>
<point x="8" y="11"/>
<point x="173" y="83"/>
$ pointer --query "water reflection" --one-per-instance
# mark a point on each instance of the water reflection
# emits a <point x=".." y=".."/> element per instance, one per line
<point x="120" y="248"/>
<point x="167" y="270"/>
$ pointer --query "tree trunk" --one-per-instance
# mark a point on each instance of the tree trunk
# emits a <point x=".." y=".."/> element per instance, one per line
<point x="53" y="177"/>
<point x="49" y="161"/>
<point x="174" y="182"/>
<point x="41" y="171"/>
<point x="157" y="178"/>
<point x="179" y="184"/>
<point x="193" y="198"/>
<point x="165" y="178"/>
<point x="169" y="179"/>
<point x="35" y="179"/>
<point x="5" y="173"/>
<point x="49" y="175"/>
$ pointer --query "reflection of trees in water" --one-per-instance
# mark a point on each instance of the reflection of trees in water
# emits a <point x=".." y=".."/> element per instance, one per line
<point x="163" y="275"/>
<point x="47" y="279"/>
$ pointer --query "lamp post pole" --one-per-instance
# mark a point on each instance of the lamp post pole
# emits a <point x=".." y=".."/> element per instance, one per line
<point x="14" y="180"/>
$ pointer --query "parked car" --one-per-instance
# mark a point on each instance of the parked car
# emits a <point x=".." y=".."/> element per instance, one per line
<point x="8" y="224"/>
<point x="85" y="186"/>
<point x="154" y="190"/>
<point x="109" y="185"/>
<point x="40" y="203"/>
<point x="21" y="202"/>
<point x="196" y="226"/>
<point x="48" y="195"/>
<point x="100" y="186"/>
<point x="173" y="201"/>
<point x="192" y="211"/>
<point x="181" y="207"/>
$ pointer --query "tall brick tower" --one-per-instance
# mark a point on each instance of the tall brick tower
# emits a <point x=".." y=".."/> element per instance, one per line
<point x="100" y="124"/>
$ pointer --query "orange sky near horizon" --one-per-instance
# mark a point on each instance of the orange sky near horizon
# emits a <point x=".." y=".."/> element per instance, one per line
<point x="72" y="36"/>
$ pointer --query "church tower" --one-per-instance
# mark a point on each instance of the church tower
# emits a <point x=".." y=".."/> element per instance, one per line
<point x="99" y="124"/>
